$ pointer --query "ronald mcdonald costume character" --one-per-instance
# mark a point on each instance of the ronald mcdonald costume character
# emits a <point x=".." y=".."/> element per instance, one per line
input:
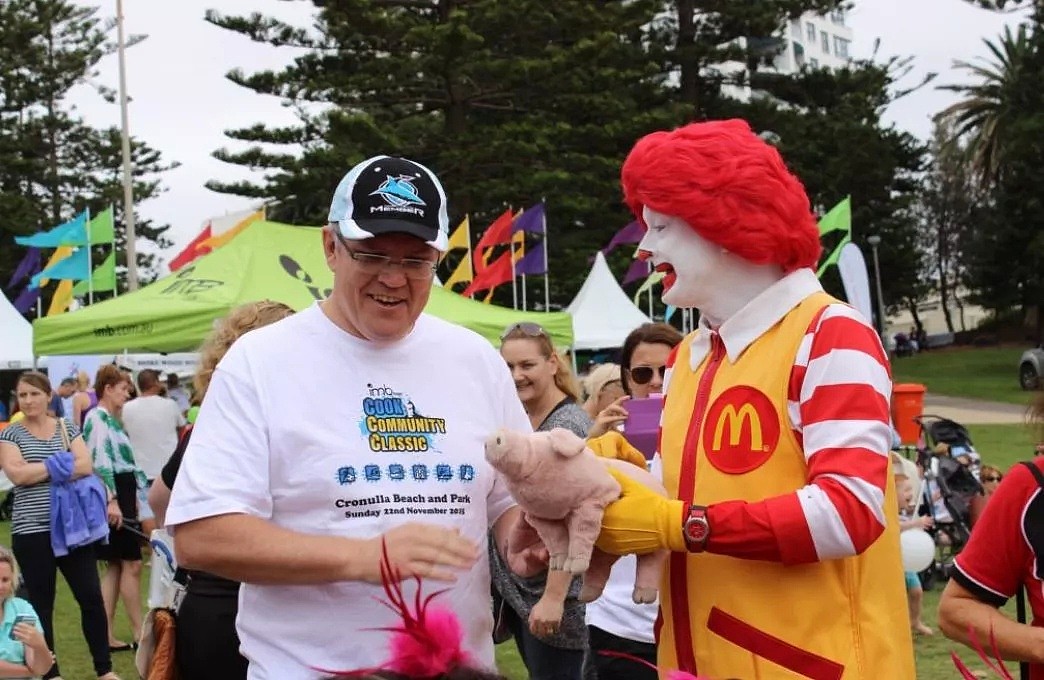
<point x="775" y="433"/>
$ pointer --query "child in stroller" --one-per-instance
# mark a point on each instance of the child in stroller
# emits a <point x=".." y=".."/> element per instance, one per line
<point x="951" y="473"/>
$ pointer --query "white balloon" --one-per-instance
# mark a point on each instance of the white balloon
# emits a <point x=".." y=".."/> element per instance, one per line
<point x="918" y="549"/>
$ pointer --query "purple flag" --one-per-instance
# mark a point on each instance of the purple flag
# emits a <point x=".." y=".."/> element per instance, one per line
<point x="632" y="233"/>
<point x="639" y="269"/>
<point x="27" y="299"/>
<point x="29" y="265"/>
<point x="532" y="263"/>
<point x="531" y="220"/>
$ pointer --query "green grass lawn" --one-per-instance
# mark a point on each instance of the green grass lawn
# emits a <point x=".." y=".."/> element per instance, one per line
<point x="989" y="373"/>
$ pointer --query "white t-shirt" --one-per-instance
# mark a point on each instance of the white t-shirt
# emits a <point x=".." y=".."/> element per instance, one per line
<point x="319" y="431"/>
<point x="615" y="611"/>
<point x="152" y="424"/>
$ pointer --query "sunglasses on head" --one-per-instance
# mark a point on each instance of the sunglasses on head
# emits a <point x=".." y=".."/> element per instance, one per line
<point x="526" y="328"/>
<point x="641" y="375"/>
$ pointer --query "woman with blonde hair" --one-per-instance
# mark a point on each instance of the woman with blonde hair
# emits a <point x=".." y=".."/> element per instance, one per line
<point x="207" y="646"/>
<point x="549" y="392"/>
<point x="84" y="399"/>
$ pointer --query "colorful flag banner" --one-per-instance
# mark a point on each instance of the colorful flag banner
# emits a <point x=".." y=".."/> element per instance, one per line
<point x="75" y="267"/>
<point x="632" y="233"/>
<point x="57" y="256"/>
<point x="498" y="233"/>
<point x="63" y="295"/>
<point x="72" y="233"/>
<point x="500" y="271"/>
<point x="532" y="264"/>
<point x="215" y="242"/>
<point x="462" y="274"/>
<point x="103" y="278"/>
<point x="653" y="279"/>
<point x="29" y="265"/>
<point x="195" y="249"/>
<point x="531" y="220"/>
<point x="461" y="236"/>
<point x="26" y="300"/>
<point x="102" y="228"/>
<point x="838" y="219"/>
<point x="639" y="269"/>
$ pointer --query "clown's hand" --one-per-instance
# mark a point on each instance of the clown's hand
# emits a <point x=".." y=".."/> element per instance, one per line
<point x="613" y="445"/>
<point x="641" y="521"/>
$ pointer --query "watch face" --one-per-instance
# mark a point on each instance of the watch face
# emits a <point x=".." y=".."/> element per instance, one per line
<point x="696" y="530"/>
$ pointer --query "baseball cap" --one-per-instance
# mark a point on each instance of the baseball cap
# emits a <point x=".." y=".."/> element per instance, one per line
<point x="384" y="195"/>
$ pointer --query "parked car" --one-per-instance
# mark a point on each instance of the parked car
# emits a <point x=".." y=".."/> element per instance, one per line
<point x="1031" y="369"/>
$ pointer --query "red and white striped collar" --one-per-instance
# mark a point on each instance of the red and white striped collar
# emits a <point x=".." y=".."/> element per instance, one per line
<point x="756" y="317"/>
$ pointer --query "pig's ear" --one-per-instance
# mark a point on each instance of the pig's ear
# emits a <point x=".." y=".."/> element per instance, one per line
<point x="565" y="443"/>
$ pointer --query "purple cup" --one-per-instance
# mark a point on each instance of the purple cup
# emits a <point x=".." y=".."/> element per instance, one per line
<point x="642" y="427"/>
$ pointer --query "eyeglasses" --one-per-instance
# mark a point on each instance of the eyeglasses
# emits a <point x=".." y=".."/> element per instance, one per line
<point x="640" y="375"/>
<point x="527" y="328"/>
<point x="374" y="263"/>
<point x="991" y="479"/>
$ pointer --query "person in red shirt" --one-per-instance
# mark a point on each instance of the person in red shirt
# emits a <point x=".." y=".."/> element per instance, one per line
<point x="1006" y="550"/>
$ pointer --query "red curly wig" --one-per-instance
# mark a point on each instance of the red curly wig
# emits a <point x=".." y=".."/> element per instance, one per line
<point x="730" y="186"/>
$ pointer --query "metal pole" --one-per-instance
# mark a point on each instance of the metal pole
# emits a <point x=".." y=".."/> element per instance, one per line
<point x="547" y="264"/>
<point x="873" y="241"/>
<point x="128" y="177"/>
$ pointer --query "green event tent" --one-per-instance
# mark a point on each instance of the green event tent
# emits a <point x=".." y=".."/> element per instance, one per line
<point x="266" y="261"/>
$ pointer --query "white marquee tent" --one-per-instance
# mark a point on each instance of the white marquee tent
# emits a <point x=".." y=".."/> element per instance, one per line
<point x="16" y="338"/>
<point x="602" y="313"/>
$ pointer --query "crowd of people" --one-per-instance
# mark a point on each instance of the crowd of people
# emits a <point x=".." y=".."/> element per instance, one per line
<point x="333" y="513"/>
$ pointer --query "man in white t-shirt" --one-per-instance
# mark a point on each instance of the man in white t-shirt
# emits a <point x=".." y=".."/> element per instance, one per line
<point x="356" y="421"/>
<point x="153" y="423"/>
<point x="177" y="393"/>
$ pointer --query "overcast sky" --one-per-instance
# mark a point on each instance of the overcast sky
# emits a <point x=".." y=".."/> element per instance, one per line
<point x="182" y="103"/>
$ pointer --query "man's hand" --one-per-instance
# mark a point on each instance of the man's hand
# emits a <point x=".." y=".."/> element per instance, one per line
<point x="525" y="554"/>
<point x="431" y="552"/>
<point x="613" y="445"/>
<point x="641" y="521"/>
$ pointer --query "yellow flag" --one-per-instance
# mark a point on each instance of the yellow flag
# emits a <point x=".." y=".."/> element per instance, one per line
<point x="215" y="242"/>
<point x="462" y="274"/>
<point x="489" y="296"/>
<point x="519" y="243"/>
<point x="61" y="298"/>
<point x="60" y="253"/>
<point x="461" y="237"/>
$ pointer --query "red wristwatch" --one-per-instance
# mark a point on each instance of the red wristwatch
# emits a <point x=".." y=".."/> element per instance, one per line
<point x="696" y="529"/>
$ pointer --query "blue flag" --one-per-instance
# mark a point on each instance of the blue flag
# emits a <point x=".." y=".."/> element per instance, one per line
<point x="76" y="267"/>
<point x="72" y="233"/>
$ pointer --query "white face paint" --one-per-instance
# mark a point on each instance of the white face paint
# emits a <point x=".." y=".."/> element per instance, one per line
<point x="692" y="264"/>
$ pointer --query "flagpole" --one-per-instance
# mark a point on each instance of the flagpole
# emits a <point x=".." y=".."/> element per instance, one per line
<point x="115" y="283"/>
<point x="90" y="264"/>
<point x="514" y="285"/>
<point x="651" y="303"/>
<point x="547" y="263"/>
<point x="128" y="179"/>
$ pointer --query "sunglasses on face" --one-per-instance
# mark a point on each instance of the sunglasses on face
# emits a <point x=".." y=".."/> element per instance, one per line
<point x="991" y="479"/>
<point x="641" y="375"/>
<point x="526" y="328"/>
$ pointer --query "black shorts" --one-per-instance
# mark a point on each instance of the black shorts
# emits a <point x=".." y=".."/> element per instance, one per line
<point x="123" y="545"/>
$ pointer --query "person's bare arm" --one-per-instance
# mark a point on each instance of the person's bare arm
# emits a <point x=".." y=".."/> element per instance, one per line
<point x="17" y="470"/>
<point x="159" y="499"/>
<point x="9" y="669"/>
<point x="518" y="544"/>
<point x="253" y="550"/>
<point x="82" y="465"/>
<point x="960" y="612"/>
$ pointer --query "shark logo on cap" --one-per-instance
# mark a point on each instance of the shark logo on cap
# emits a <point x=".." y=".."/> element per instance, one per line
<point x="399" y="191"/>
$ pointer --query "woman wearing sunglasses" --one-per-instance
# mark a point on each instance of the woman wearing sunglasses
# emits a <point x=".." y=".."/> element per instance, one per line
<point x="614" y="622"/>
<point x="549" y="392"/>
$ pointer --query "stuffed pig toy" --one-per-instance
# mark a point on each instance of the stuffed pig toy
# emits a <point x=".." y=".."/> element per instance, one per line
<point x="564" y="488"/>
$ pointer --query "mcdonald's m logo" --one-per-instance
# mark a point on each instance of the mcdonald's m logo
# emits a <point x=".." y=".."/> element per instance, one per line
<point x="742" y="430"/>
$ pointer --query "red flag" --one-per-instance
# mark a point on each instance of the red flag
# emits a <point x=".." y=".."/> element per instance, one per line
<point x="191" y="251"/>
<point x="501" y="271"/>
<point x="496" y="234"/>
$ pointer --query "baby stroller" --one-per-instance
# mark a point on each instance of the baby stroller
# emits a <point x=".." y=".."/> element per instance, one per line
<point x="951" y="475"/>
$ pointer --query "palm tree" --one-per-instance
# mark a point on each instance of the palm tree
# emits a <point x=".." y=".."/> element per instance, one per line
<point x="990" y="106"/>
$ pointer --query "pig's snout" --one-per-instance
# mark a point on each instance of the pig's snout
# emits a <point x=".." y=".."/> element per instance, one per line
<point x="496" y="446"/>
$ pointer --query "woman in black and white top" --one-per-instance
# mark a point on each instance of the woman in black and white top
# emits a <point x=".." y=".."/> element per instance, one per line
<point x="23" y="448"/>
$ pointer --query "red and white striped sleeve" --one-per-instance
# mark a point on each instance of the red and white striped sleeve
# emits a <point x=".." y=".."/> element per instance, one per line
<point x="838" y="403"/>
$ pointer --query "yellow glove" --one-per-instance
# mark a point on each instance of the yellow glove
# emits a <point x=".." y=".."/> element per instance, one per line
<point x="641" y="521"/>
<point x="613" y="445"/>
